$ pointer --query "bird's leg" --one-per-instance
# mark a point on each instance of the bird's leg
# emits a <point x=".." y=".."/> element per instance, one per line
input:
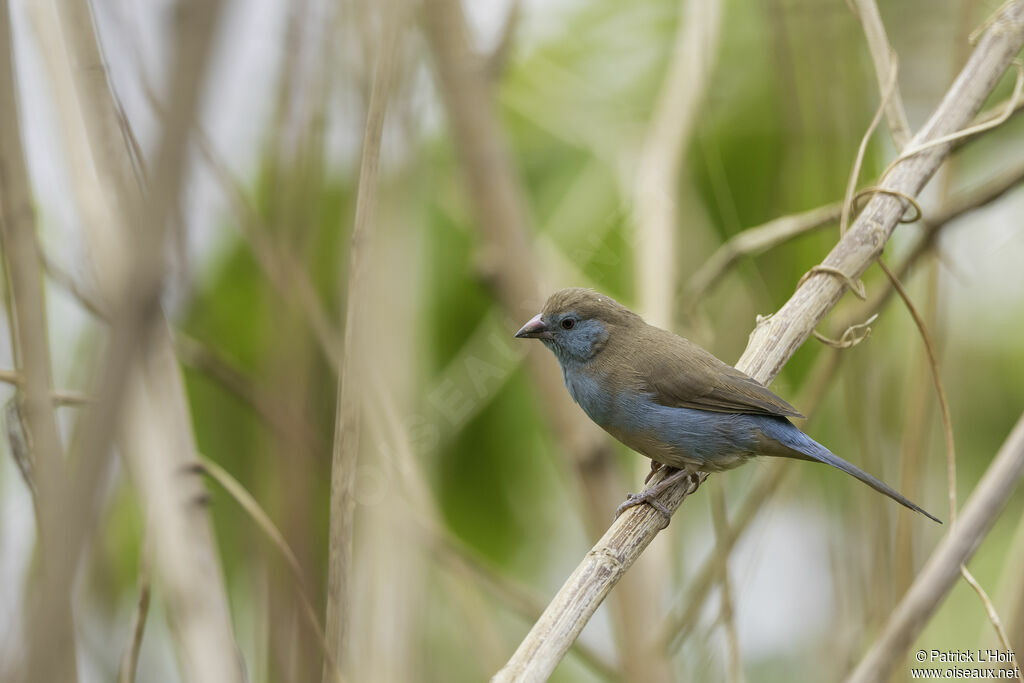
<point x="655" y="466"/>
<point x="649" y="495"/>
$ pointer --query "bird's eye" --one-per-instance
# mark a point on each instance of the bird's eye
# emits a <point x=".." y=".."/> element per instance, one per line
<point x="568" y="323"/>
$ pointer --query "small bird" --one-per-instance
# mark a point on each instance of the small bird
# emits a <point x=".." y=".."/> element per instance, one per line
<point x="669" y="399"/>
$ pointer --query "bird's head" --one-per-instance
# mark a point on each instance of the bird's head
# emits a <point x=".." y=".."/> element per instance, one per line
<point x="576" y="323"/>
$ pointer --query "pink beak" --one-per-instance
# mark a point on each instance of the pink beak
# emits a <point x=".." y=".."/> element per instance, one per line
<point x="534" y="329"/>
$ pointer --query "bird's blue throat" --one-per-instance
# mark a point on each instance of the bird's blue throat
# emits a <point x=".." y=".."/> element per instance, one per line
<point x="578" y="345"/>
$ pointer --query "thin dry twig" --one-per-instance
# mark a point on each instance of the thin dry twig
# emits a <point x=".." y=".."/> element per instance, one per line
<point x="887" y="94"/>
<point x="130" y="659"/>
<point x="772" y="342"/>
<point x="753" y="241"/>
<point x="974" y="129"/>
<point x="998" y="110"/>
<point x="60" y="397"/>
<point x="990" y="611"/>
<point x="350" y="380"/>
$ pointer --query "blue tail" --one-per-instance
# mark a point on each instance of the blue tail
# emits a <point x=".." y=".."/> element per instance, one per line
<point x="796" y="444"/>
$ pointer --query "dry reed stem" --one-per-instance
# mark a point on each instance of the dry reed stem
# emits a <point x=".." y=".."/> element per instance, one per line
<point x="773" y="341"/>
<point x="348" y="417"/>
<point x="110" y="147"/>
<point x="50" y="623"/>
<point x="157" y="443"/>
<point x="90" y="200"/>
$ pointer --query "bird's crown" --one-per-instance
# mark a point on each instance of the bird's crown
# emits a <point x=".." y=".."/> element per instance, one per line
<point x="588" y="304"/>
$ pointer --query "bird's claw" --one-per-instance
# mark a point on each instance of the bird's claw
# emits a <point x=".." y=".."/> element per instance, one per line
<point x="634" y="499"/>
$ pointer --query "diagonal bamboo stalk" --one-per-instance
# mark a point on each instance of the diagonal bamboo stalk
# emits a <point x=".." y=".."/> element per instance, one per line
<point x="774" y="341"/>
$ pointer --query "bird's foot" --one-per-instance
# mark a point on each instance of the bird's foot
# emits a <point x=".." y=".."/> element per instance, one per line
<point x="645" y="496"/>
<point x="655" y="467"/>
<point x="650" y="495"/>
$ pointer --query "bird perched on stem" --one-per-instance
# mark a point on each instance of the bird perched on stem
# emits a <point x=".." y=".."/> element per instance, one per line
<point x="669" y="399"/>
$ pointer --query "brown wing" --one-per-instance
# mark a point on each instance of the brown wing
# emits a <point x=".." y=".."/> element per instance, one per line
<point x="681" y="374"/>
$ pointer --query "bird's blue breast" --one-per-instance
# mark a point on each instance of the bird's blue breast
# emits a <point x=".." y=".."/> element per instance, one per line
<point x="679" y="437"/>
